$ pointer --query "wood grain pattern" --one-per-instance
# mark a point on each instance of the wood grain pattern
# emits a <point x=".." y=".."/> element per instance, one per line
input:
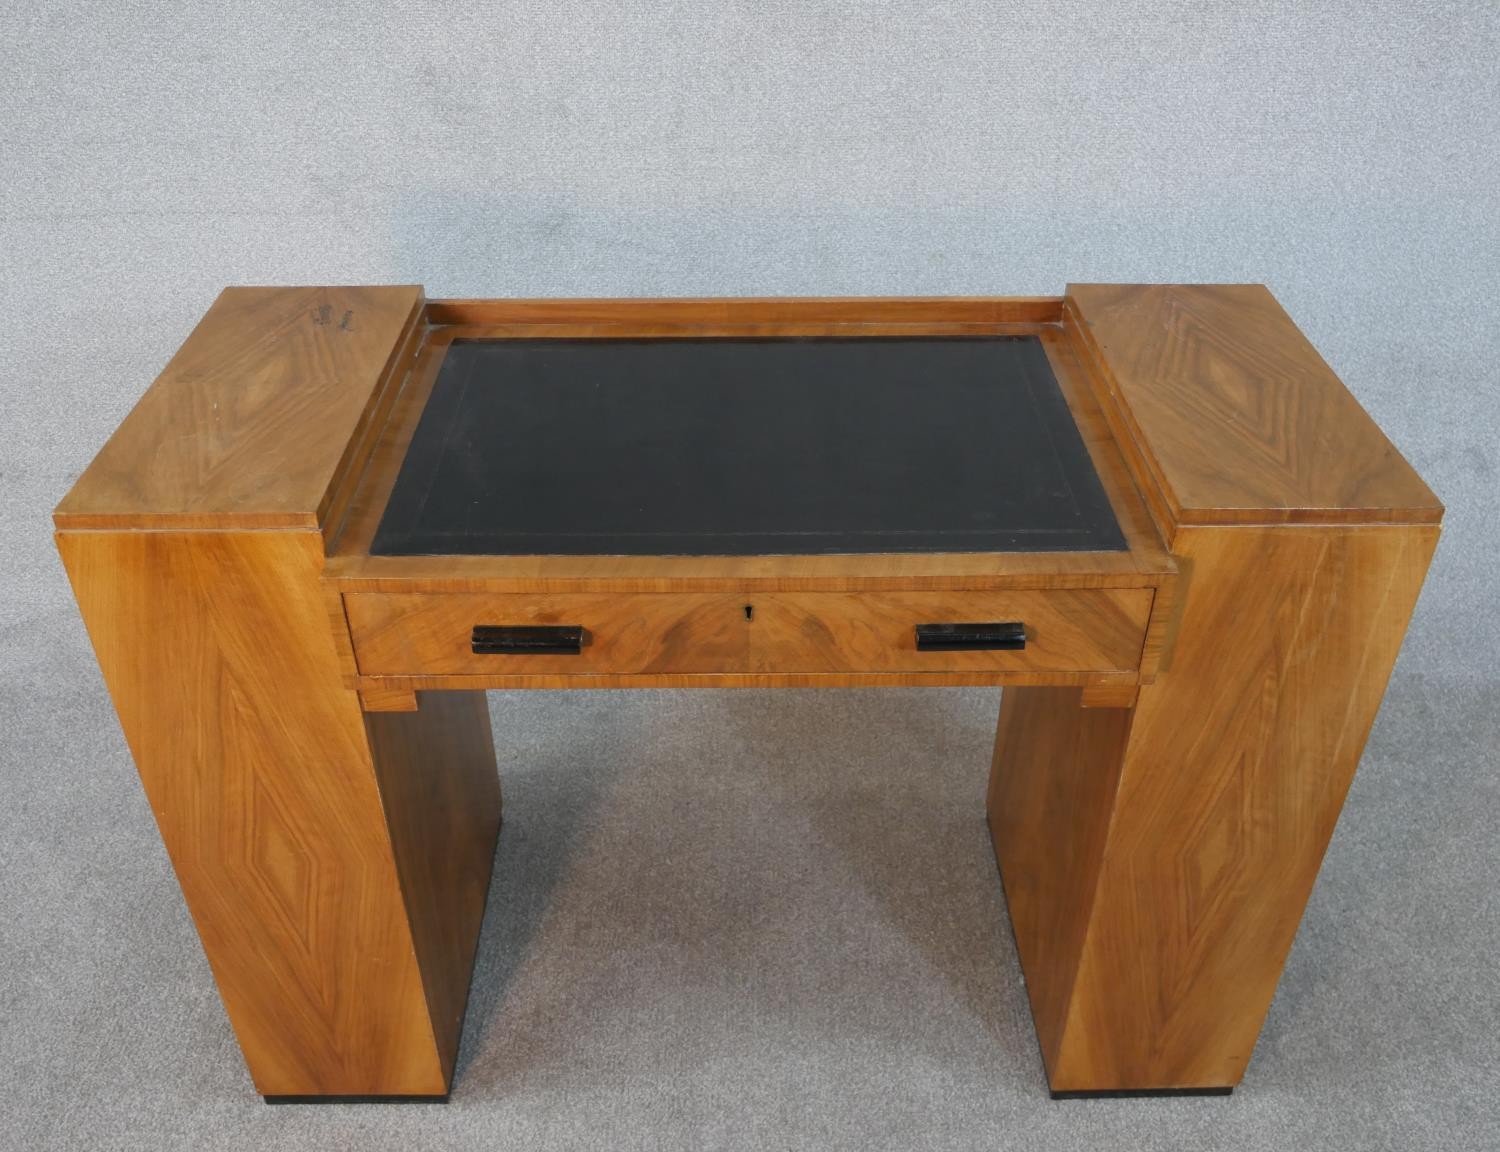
<point x="1099" y="630"/>
<point x="1236" y="770"/>
<point x="1109" y="696"/>
<point x="935" y="572"/>
<point x="340" y="934"/>
<point x="441" y="795"/>
<point x="257" y="766"/>
<point x="257" y="418"/>
<point x="384" y="698"/>
<point x="1237" y="762"/>
<point x="414" y="634"/>
<point x="1233" y="415"/>
<point x="1166" y="605"/>
<point x="1051" y="792"/>
<point x="1156" y="895"/>
<point x="647" y="316"/>
<point x="420" y="634"/>
<point x="332" y="816"/>
<point x="976" y="678"/>
<point x="335" y="506"/>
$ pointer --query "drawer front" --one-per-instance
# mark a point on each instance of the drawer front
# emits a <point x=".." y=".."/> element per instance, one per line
<point x="433" y="634"/>
<point x="1094" y="630"/>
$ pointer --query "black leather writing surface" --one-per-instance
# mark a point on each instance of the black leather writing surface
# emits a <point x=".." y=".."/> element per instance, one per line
<point x="744" y="447"/>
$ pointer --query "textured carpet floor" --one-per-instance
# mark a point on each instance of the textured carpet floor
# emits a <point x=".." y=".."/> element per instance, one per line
<point x="751" y="920"/>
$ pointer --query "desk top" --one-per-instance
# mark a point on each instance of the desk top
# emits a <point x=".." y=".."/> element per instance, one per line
<point x="296" y="409"/>
<point x="746" y="447"/>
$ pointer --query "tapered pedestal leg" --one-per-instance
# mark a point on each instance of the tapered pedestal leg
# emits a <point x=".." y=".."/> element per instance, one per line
<point x="1157" y="859"/>
<point x="335" y="864"/>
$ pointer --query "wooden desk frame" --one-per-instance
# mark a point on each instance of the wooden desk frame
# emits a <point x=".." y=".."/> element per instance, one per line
<point x="1167" y="774"/>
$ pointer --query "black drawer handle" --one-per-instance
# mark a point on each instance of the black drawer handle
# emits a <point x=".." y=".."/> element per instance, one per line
<point x="527" y="640"/>
<point x="1009" y="636"/>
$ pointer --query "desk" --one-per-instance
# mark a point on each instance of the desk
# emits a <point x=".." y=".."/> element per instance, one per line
<point x="1151" y="513"/>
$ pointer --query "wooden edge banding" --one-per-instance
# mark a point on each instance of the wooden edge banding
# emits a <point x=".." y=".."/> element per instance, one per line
<point x="1144" y="542"/>
<point x="501" y="682"/>
<point x="183" y="521"/>
<point x="388" y="449"/>
<point x="751" y="311"/>
<point x="1117" y="415"/>
<point x="1165" y="605"/>
<point x="1162" y="626"/>
<point x="663" y="330"/>
<point x="367" y="433"/>
<point x="343" y="641"/>
<point x="561" y="574"/>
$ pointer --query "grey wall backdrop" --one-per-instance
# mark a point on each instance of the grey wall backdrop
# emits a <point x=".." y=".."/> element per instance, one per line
<point x="751" y="920"/>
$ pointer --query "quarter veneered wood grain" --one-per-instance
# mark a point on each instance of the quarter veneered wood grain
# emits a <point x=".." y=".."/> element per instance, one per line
<point x="267" y="787"/>
<point x="1236" y="766"/>
<point x="1232" y="413"/>
<point x="256" y="419"/>
<point x="1157" y="856"/>
<point x="1238" y="763"/>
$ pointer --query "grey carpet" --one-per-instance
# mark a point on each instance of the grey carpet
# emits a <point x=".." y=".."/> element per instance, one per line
<point x="751" y="920"/>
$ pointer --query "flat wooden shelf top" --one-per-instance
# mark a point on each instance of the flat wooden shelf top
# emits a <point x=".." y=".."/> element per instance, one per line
<point x="1237" y="417"/>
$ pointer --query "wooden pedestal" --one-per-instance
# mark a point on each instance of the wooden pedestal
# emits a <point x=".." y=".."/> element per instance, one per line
<point x="1175" y="741"/>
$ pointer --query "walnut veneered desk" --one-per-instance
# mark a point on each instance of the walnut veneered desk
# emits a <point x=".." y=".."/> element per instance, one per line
<point x="1151" y="513"/>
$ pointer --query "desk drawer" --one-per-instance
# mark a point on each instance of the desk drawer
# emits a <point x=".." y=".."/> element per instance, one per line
<point x="433" y="634"/>
<point x="1094" y="630"/>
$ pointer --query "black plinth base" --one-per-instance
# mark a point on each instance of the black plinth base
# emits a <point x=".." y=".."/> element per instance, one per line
<point x="1140" y="1093"/>
<point x="443" y="1099"/>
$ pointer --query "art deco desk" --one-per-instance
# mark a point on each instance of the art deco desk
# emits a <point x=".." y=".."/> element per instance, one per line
<point x="1152" y="514"/>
